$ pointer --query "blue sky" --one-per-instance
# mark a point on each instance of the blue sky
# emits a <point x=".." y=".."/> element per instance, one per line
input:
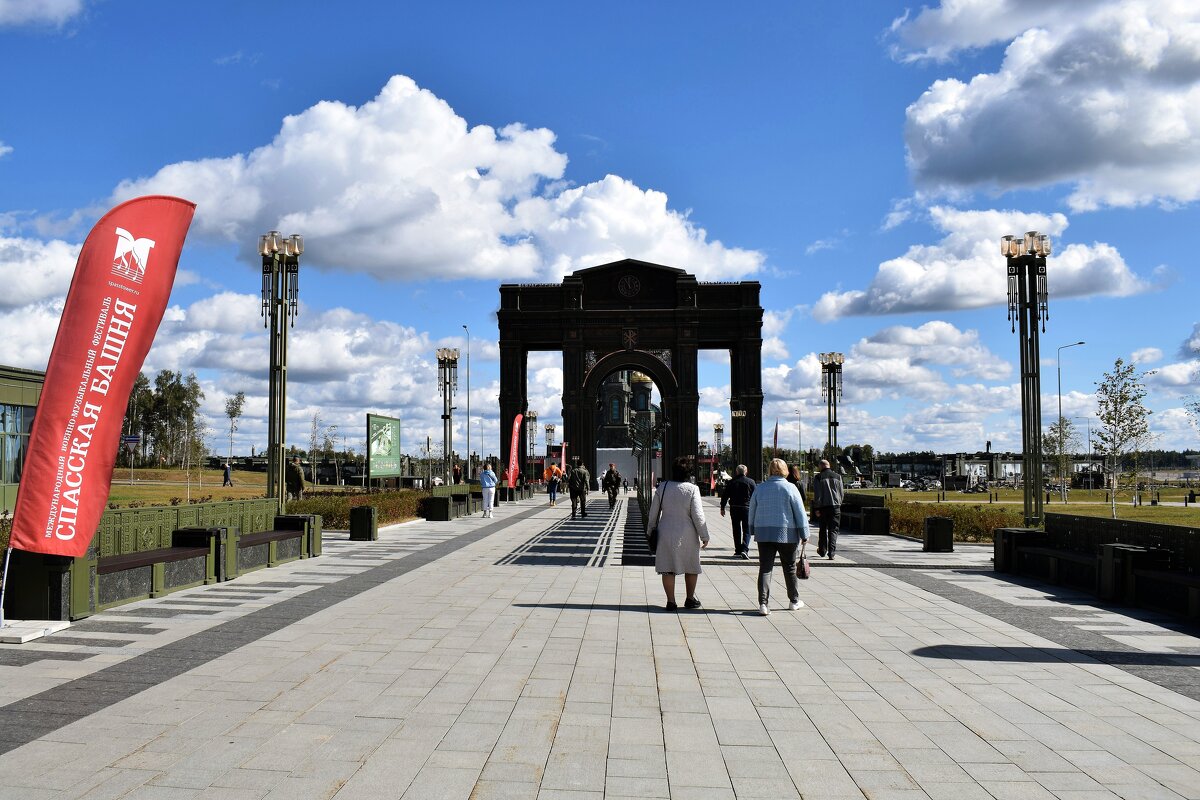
<point x="860" y="160"/>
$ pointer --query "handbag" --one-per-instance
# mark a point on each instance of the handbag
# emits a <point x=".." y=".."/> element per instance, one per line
<point x="803" y="568"/>
<point x="652" y="535"/>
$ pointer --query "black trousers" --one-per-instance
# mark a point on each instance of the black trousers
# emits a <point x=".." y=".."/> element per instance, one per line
<point x="766" y="563"/>
<point x="740" y="517"/>
<point x="830" y="521"/>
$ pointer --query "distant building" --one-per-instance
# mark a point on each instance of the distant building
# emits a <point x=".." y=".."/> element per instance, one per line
<point x="622" y="395"/>
<point x="20" y="391"/>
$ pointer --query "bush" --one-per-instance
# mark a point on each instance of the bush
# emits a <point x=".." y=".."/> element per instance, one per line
<point x="972" y="523"/>
<point x="334" y="507"/>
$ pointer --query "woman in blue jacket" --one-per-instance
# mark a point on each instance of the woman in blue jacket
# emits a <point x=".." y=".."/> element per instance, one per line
<point x="487" y="482"/>
<point x="779" y="524"/>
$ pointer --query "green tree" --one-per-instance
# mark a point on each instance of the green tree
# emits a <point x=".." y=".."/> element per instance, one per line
<point x="233" y="410"/>
<point x="1124" y="423"/>
<point x="1059" y="442"/>
<point x="176" y="404"/>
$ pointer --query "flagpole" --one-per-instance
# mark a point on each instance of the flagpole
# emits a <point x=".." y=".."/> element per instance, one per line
<point x="4" y="581"/>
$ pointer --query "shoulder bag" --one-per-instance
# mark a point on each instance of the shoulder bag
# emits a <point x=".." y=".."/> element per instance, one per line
<point x="652" y="535"/>
<point x="803" y="568"/>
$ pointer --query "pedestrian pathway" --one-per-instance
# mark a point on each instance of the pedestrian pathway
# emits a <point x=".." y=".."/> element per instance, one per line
<point x="528" y="657"/>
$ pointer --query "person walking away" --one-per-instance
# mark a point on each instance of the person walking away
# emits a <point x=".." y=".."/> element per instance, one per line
<point x="827" y="507"/>
<point x="612" y="482"/>
<point x="553" y="475"/>
<point x="625" y="486"/>
<point x="578" y="484"/>
<point x="793" y="477"/>
<point x="228" y="478"/>
<point x="294" y="478"/>
<point x="779" y="524"/>
<point x="487" y="482"/>
<point x="682" y="533"/>
<point x="737" y="495"/>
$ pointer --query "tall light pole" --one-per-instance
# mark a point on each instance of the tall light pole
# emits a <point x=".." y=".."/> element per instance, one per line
<point x="549" y="437"/>
<point x="799" y="443"/>
<point x="468" y="402"/>
<point x="719" y="438"/>
<point x="1028" y="305"/>
<point x="831" y="392"/>
<point x="1062" y="446"/>
<point x="447" y="385"/>
<point x="280" y="305"/>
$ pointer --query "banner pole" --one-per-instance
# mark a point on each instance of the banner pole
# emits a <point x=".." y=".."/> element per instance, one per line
<point x="4" y="581"/>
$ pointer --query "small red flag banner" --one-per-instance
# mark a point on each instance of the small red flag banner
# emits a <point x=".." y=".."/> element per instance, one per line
<point x="512" y="451"/>
<point x="118" y="294"/>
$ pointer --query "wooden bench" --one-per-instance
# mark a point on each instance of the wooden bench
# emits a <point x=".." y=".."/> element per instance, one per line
<point x="111" y="587"/>
<point x="271" y="540"/>
<point x="146" y="558"/>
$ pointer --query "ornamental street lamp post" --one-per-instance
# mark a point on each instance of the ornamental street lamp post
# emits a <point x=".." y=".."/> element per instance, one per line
<point x="280" y="305"/>
<point x="1062" y="445"/>
<point x="831" y="392"/>
<point x="1028" y="305"/>
<point x="447" y="385"/>
<point x="741" y="447"/>
<point x="531" y="427"/>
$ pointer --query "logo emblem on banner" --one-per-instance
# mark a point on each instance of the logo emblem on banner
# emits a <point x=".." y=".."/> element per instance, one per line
<point x="129" y="261"/>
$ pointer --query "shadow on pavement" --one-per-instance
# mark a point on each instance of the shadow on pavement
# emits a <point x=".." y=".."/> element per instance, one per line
<point x="1038" y="655"/>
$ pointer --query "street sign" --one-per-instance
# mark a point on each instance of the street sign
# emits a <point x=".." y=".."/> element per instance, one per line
<point x="131" y="441"/>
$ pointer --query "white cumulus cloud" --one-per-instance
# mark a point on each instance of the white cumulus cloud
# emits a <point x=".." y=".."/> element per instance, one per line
<point x="402" y="187"/>
<point x="965" y="269"/>
<point x="38" y="12"/>
<point x="35" y="270"/>
<point x="1104" y="96"/>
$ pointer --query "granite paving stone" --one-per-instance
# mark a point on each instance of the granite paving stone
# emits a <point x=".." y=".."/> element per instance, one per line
<point x="456" y="660"/>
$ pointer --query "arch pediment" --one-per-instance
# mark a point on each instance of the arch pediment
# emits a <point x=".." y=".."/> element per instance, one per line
<point x="630" y="283"/>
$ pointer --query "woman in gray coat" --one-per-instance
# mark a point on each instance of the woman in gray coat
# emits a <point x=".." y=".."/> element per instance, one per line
<point x="682" y="532"/>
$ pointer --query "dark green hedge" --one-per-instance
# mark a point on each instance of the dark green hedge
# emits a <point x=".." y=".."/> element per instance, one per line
<point x="972" y="522"/>
<point x="334" y="508"/>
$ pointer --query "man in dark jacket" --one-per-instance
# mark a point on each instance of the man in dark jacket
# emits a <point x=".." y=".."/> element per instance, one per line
<point x="578" y="484"/>
<point x="611" y="483"/>
<point x="737" y="496"/>
<point x="827" y="507"/>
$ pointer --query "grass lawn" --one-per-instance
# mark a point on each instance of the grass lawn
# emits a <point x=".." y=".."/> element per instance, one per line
<point x="1166" y="515"/>
<point x="1083" y="502"/>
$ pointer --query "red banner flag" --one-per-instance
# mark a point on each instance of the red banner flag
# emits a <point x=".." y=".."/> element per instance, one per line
<point x="563" y="465"/>
<point x="512" y="451"/>
<point x="116" y="301"/>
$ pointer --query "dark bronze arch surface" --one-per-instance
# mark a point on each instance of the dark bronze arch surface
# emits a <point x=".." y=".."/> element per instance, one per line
<point x="634" y="315"/>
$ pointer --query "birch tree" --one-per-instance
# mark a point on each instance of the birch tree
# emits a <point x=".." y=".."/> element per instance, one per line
<point x="1124" y="423"/>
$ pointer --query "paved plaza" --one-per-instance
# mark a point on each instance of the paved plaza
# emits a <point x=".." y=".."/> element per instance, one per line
<point x="529" y="656"/>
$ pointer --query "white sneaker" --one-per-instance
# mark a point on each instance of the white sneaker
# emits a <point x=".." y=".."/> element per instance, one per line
<point x="762" y="609"/>
<point x="795" y="604"/>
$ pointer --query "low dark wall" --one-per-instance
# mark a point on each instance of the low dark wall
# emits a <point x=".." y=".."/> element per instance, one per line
<point x="1086" y="535"/>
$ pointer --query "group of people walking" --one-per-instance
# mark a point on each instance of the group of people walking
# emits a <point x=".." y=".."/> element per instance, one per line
<point x="773" y="513"/>
<point x="576" y="480"/>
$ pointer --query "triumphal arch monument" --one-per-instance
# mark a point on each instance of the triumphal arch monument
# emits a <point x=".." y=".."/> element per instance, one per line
<point x="633" y="315"/>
